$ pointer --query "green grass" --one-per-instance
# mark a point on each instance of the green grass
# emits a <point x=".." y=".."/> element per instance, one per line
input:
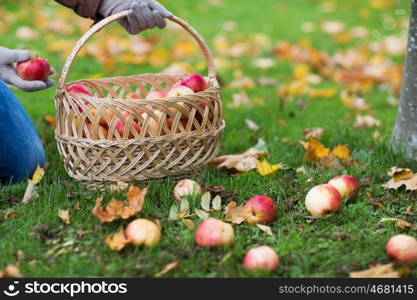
<point x="307" y="248"/>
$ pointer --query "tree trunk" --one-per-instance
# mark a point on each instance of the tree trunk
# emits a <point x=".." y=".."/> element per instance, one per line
<point x="405" y="131"/>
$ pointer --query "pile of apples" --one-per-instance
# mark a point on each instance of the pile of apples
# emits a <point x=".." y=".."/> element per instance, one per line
<point x="191" y="84"/>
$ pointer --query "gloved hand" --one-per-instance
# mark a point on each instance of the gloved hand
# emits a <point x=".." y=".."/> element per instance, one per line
<point x="8" y="71"/>
<point x="145" y="14"/>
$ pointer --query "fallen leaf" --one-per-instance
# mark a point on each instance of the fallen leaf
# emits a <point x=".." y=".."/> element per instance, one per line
<point x="173" y="212"/>
<point x="234" y="214"/>
<point x="201" y="213"/>
<point x="400" y="177"/>
<point x="265" y="229"/>
<point x="188" y="223"/>
<point x="205" y="201"/>
<point x="168" y="268"/>
<point x="315" y="150"/>
<point x="264" y="168"/>
<point x="314" y="133"/>
<point x="240" y="163"/>
<point x="378" y="271"/>
<point x="117" y="241"/>
<point x="37" y="175"/>
<point x="119" y="186"/>
<point x="51" y="121"/>
<point x="121" y="209"/>
<point x="341" y="151"/>
<point x="10" y="214"/>
<point x="64" y="216"/>
<point x="252" y="125"/>
<point x="366" y="121"/>
<point x="217" y="203"/>
<point x="11" y="271"/>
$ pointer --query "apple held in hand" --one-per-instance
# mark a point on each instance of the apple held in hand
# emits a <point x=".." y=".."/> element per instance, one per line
<point x="347" y="186"/>
<point x="260" y="209"/>
<point x="185" y="188"/>
<point x="36" y="68"/>
<point x="195" y="82"/>
<point x="322" y="199"/>
<point x="213" y="232"/>
<point x="402" y="248"/>
<point x="262" y="258"/>
<point x="143" y="232"/>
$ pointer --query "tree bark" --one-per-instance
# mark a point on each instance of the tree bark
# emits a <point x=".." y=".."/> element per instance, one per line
<point x="405" y="131"/>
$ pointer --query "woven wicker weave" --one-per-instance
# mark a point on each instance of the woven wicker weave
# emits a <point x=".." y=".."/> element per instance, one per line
<point x="161" y="137"/>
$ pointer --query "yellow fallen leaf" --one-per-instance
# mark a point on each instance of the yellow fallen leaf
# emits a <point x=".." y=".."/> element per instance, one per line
<point x="341" y="151"/>
<point x="51" y="121"/>
<point x="315" y="150"/>
<point x="378" y="271"/>
<point x="168" y="268"/>
<point x="64" y="215"/>
<point x="37" y="176"/>
<point x="117" y="241"/>
<point x="264" y="168"/>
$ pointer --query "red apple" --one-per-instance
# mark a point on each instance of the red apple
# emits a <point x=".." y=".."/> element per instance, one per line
<point x="186" y="187"/>
<point x="36" y="68"/>
<point x="156" y="95"/>
<point x="260" y="209"/>
<point x="347" y="186"/>
<point x="79" y="89"/>
<point x="196" y="82"/>
<point x="120" y="124"/>
<point x="262" y="258"/>
<point x="323" y="198"/>
<point x="108" y="112"/>
<point x="102" y="132"/>
<point x="179" y="91"/>
<point x="213" y="232"/>
<point x="402" y="248"/>
<point x="143" y="232"/>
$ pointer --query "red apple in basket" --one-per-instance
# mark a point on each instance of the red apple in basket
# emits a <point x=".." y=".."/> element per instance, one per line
<point x="178" y="91"/>
<point x="195" y="82"/>
<point x="101" y="133"/>
<point x="156" y="95"/>
<point x="120" y="124"/>
<point x="108" y="112"/>
<point x="36" y="68"/>
<point x="78" y="88"/>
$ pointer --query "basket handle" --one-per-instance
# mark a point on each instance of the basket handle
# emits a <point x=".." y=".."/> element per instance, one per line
<point x="100" y="25"/>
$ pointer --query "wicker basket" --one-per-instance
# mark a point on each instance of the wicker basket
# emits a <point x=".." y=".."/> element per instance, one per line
<point x="161" y="137"/>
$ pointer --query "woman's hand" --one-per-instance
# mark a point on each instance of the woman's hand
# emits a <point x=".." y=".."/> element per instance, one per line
<point x="8" y="71"/>
<point x="146" y="14"/>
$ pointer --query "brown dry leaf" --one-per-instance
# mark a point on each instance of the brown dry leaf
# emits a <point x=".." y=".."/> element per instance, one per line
<point x="11" y="271"/>
<point x="401" y="177"/>
<point x="314" y="133"/>
<point x="121" y="209"/>
<point x="234" y="214"/>
<point x="341" y="151"/>
<point x="64" y="216"/>
<point x="240" y="163"/>
<point x="366" y="121"/>
<point x="265" y="229"/>
<point x="10" y="214"/>
<point x="168" y="268"/>
<point x="378" y="271"/>
<point x="51" y="121"/>
<point x="315" y="150"/>
<point x="400" y="223"/>
<point x="117" y="241"/>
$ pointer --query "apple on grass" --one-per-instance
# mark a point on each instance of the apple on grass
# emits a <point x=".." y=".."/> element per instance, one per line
<point x="260" y="209"/>
<point x="36" y="68"/>
<point x="213" y="232"/>
<point x="322" y="199"/>
<point x="402" y="248"/>
<point x="143" y="232"/>
<point x="347" y="186"/>
<point x="185" y="188"/>
<point x="121" y="125"/>
<point x="262" y="258"/>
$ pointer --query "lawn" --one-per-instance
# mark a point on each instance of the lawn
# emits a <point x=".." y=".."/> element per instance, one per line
<point x="350" y="240"/>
